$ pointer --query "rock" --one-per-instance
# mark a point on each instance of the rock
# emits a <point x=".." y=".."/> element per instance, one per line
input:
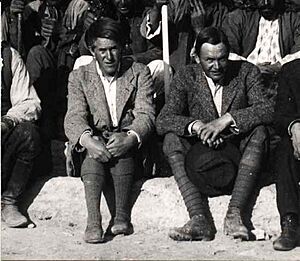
<point x="158" y="206"/>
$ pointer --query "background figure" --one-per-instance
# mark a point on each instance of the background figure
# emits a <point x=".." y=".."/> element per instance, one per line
<point x="267" y="37"/>
<point x="288" y="155"/>
<point x="20" y="138"/>
<point x="186" y="20"/>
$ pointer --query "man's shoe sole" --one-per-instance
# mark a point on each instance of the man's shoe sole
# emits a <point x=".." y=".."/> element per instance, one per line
<point x="177" y="236"/>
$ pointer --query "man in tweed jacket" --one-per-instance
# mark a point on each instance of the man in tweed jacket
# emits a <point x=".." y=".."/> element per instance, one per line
<point x="110" y="114"/>
<point x="209" y="102"/>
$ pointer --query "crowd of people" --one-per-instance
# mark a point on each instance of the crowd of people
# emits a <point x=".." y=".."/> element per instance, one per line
<point x="91" y="73"/>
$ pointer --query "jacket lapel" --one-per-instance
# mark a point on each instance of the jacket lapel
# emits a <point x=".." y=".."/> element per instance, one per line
<point x="203" y="95"/>
<point x="229" y="92"/>
<point x="96" y="87"/>
<point x="124" y="90"/>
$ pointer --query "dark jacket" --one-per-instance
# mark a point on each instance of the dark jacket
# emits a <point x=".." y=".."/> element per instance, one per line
<point x="241" y="28"/>
<point x="287" y="108"/>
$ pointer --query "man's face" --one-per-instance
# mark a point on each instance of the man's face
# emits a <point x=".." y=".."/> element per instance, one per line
<point x="108" y="54"/>
<point x="268" y="8"/>
<point x="214" y="60"/>
<point x="123" y="6"/>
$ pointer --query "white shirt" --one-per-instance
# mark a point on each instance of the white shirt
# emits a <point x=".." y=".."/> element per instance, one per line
<point x="110" y="88"/>
<point x="216" y="92"/>
<point x="267" y="45"/>
<point x="26" y="105"/>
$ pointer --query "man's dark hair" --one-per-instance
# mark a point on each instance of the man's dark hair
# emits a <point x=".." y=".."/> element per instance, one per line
<point x="104" y="28"/>
<point x="211" y="35"/>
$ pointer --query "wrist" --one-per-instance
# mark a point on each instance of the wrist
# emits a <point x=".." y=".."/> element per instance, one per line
<point x="228" y="118"/>
<point x="132" y="138"/>
<point x="85" y="139"/>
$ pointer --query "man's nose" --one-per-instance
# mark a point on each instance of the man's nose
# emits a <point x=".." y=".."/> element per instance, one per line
<point x="216" y="64"/>
<point x="109" y="55"/>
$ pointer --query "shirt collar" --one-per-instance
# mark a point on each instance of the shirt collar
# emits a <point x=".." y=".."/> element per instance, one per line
<point x="211" y="83"/>
<point x="103" y="77"/>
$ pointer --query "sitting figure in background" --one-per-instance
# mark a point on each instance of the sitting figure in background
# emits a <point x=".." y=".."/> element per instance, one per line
<point x="20" y="138"/>
<point x="267" y="36"/>
<point x="215" y="135"/>
<point x="287" y="120"/>
<point x="110" y="115"/>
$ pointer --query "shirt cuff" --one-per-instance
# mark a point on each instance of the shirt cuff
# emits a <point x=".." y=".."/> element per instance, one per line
<point x="233" y="127"/>
<point x="291" y="125"/>
<point x="190" y="127"/>
<point x="137" y="136"/>
<point x="79" y="147"/>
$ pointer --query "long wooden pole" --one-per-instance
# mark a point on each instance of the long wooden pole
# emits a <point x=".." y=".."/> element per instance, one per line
<point x="166" y="56"/>
<point x="19" y="32"/>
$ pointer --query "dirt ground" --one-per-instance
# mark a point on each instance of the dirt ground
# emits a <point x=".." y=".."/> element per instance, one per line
<point x="56" y="206"/>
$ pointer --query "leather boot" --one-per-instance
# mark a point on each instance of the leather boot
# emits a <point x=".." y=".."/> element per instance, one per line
<point x="199" y="227"/>
<point x="288" y="238"/>
<point x="12" y="217"/>
<point x="233" y="224"/>
<point x="15" y="187"/>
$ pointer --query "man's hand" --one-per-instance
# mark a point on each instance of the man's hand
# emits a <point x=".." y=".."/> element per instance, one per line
<point x="48" y="25"/>
<point x="119" y="143"/>
<point x="295" y="130"/>
<point x="197" y="128"/>
<point x="197" y="15"/>
<point x="96" y="148"/>
<point x="17" y="6"/>
<point x="90" y="17"/>
<point x="267" y="68"/>
<point x="209" y="133"/>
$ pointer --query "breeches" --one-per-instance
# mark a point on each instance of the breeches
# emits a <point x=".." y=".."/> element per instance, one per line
<point x="21" y="143"/>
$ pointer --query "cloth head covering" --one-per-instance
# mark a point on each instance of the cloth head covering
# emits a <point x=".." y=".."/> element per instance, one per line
<point x="213" y="171"/>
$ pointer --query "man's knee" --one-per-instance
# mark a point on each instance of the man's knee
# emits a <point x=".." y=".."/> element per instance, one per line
<point x="92" y="166"/>
<point x="27" y="134"/>
<point x="259" y="134"/>
<point x="172" y="144"/>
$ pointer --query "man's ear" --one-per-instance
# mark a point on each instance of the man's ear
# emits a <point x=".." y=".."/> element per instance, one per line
<point x="92" y="52"/>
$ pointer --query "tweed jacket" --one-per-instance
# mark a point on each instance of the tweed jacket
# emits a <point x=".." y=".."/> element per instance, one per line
<point x="287" y="107"/>
<point x="241" y="28"/>
<point x="190" y="99"/>
<point x="88" y="108"/>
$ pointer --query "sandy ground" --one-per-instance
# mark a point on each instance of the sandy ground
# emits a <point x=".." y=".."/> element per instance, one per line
<point x="56" y="206"/>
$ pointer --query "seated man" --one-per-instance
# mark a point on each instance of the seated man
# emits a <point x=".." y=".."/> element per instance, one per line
<point x="209" y="101"/>
<point x="288" y="155"/>
<point x="110" y="114"/>
<point x="267" y="37"/>
<point x="20" y="141"/>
